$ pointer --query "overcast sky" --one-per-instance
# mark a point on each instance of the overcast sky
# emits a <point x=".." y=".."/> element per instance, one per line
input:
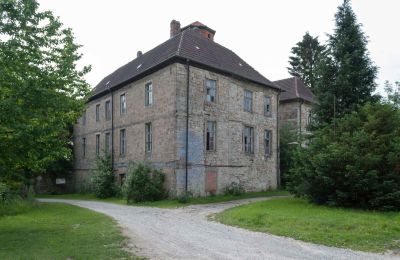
<point x="260" y="32"/>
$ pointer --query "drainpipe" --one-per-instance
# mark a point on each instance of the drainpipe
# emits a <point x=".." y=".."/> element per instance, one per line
<point x="187" y="126"/>
<point x="112" y="129"/>
<point x="278" y="169"/>
<point x="301" y="103"/>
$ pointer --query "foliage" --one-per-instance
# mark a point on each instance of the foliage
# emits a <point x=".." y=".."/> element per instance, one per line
<point x="144" y="183"/>
<point x="184" y="198"/>
<point x="345" y="74"/>
<point x="296" y="218"/>
<point x="40" y="86"/>
<point x="60" y="231"/>
<point x="11" y="203"/>
<point x="103" y="177"/>
<point x="288" y="143"/>
<point x="393" y="93"/>
<point x="235" y="189"/>
<point x="358" y="165"/>
<point x="306" y="55"/>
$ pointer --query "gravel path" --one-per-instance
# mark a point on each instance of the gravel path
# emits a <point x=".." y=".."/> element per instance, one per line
<point x="185" y="233"/>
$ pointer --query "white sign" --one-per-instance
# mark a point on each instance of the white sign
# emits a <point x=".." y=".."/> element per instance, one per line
<point x="60" y="181"/>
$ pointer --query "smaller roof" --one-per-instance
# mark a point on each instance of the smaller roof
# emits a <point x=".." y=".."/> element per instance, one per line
<point x="295" y="89"/>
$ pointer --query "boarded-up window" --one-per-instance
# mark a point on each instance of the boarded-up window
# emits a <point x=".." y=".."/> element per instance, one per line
<point x="211" y="182"/>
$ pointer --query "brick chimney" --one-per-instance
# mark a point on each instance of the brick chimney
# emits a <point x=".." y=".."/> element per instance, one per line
<point x="202" y="29"/>
<point x="175" y="28"/>
<point x="139" y="53"/>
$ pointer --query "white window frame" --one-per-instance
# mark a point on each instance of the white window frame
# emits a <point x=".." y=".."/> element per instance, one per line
<point x="148" y="94"/>
<point x="122" y="104"/>
<point x="210" y="86"/>
<point x="267" y="106"/>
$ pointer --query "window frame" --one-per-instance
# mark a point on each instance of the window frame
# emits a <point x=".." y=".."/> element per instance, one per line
<point x="252" y="136"/>
<point x="212" y="99"/>
<point x="83" y="147"/>
<point x="122" y="142"/>
<point x="214" y="134"/>
<point x="249" y="99"/>
<point x="107" y="142"/>
<point x="269" y="153"/>
<point x="122" y="104"/>
<point x="97" y="113"/>
<point x="148" y="139"/>
<point x="148" y="89"/>
<point x="97" y="144"/>
<point x="107" y="110"/>
<point x="267" y="112"/>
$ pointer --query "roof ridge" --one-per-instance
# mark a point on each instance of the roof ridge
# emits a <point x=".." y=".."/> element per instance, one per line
<point x="180" y="44"/>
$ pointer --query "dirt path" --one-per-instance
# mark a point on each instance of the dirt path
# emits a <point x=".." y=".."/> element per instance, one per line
<point x="185" y="233"/>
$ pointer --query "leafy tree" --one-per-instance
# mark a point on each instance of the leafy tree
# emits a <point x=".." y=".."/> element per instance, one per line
<point x="41" y="89"/>
<point x="393" y="93"/>
<point x="358" y="165"/>
<point x="345" y="75"/>
<point x="103" y="178"/>
<point x="306" y="55"/>
<point x="288" y="142"/>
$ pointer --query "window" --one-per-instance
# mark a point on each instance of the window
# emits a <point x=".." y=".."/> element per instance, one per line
<point x="107" y="143"/>
<point x="122" y="142"/>
<point x="122" y="104"/>
<point x="108" y="110"/>
<point x="149" y="138"/>
<point x="267" y="106"/>
<point x="211" y="90"/>
<point x="97" y="144"/>
<point x="309" y="118"/>
<point x="83" y="147"/>
<point x="98" y="113"/>
<point x="248" y="139"/>
<point x="267" y="142"/>
<point x="248" y="101"/>
<point x="210" y="136"/>
<point x="149" y="94"/>
<point x="84" y="118"/>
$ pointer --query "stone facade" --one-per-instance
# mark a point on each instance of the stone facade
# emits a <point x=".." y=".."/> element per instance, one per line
<point x="296" y="114"/>
<point x="208" y="171"/>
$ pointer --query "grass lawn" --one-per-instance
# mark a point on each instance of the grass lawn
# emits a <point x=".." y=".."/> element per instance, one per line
<point x="170" y="203"/>
<point x="296" y="218"/>
<point x="59" y="231"/>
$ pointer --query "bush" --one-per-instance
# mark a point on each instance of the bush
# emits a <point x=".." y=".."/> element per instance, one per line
<point x="288" y="142"/>
<point x="103" y="178"/>
<point x="235" y="189"/>
<point x="358" y="165"/>
<point x="11" y="203"/>
<point x="144" y="183"/>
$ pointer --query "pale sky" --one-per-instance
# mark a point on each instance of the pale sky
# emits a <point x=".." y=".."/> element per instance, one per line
<point x="260" y="32"/>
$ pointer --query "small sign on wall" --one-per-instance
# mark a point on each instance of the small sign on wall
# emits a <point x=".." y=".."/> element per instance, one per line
<point x="60" y="181"/>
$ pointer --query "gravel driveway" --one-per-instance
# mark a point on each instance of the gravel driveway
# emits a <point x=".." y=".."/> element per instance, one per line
<point x="185" y="233"/>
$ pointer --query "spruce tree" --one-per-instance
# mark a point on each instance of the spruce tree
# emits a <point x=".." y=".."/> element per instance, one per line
<point x="305" y="57"/>
<point x="345" y="75"/>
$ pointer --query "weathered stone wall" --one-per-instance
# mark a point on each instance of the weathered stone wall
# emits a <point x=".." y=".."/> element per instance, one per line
<point x="228" y="163"/>
<point x="295" y="114"/>
<point x="208" y="172"/>
<point x="161" y="114"/>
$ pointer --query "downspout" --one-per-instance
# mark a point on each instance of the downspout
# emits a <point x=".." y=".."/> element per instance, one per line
<point x="187" y="126"/>
<point x="278" y="152"/>
<point x="112" y="129"/>
<point x="300" y="106"/>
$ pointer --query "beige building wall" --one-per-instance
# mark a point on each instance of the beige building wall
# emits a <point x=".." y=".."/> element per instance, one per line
<point x="295" y="114"/>
<point x="208" y="171"/>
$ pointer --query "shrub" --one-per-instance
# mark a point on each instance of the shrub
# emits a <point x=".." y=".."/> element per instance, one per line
<point x="235" y="189"/>
<point x="102" y="178"/>
<point x="143" y="183"/>
<point x="185" y="198"/>
<point x="11" y="203"/>
<point x="358" y="165"/>
<point x="288" y="142"/>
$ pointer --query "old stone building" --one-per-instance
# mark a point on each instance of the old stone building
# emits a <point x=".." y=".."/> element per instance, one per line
<point x="295" y="104"/>
<point x="190" y="107"/>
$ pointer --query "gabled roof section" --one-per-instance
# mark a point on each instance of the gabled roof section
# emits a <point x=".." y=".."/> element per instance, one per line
<point x="295" y="89"/>
<point x="187" y="45"/>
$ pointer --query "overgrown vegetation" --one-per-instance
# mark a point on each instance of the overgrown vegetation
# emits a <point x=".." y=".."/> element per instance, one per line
<point x="235" y="189"/>
<point x="144" y="183"/>
<point x="42" y="92"/>
<point x="59" y="231"/>
<point x="355" y="165"/>
<point x="102" y="177"/>
<point x="299" y="219"/>
<point x="288" y="142"/>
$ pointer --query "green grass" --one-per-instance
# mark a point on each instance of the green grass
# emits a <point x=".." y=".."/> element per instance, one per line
<point x="170" y="203"/>
<point x="59" y="231"/>
<point x="296" y="218"/>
